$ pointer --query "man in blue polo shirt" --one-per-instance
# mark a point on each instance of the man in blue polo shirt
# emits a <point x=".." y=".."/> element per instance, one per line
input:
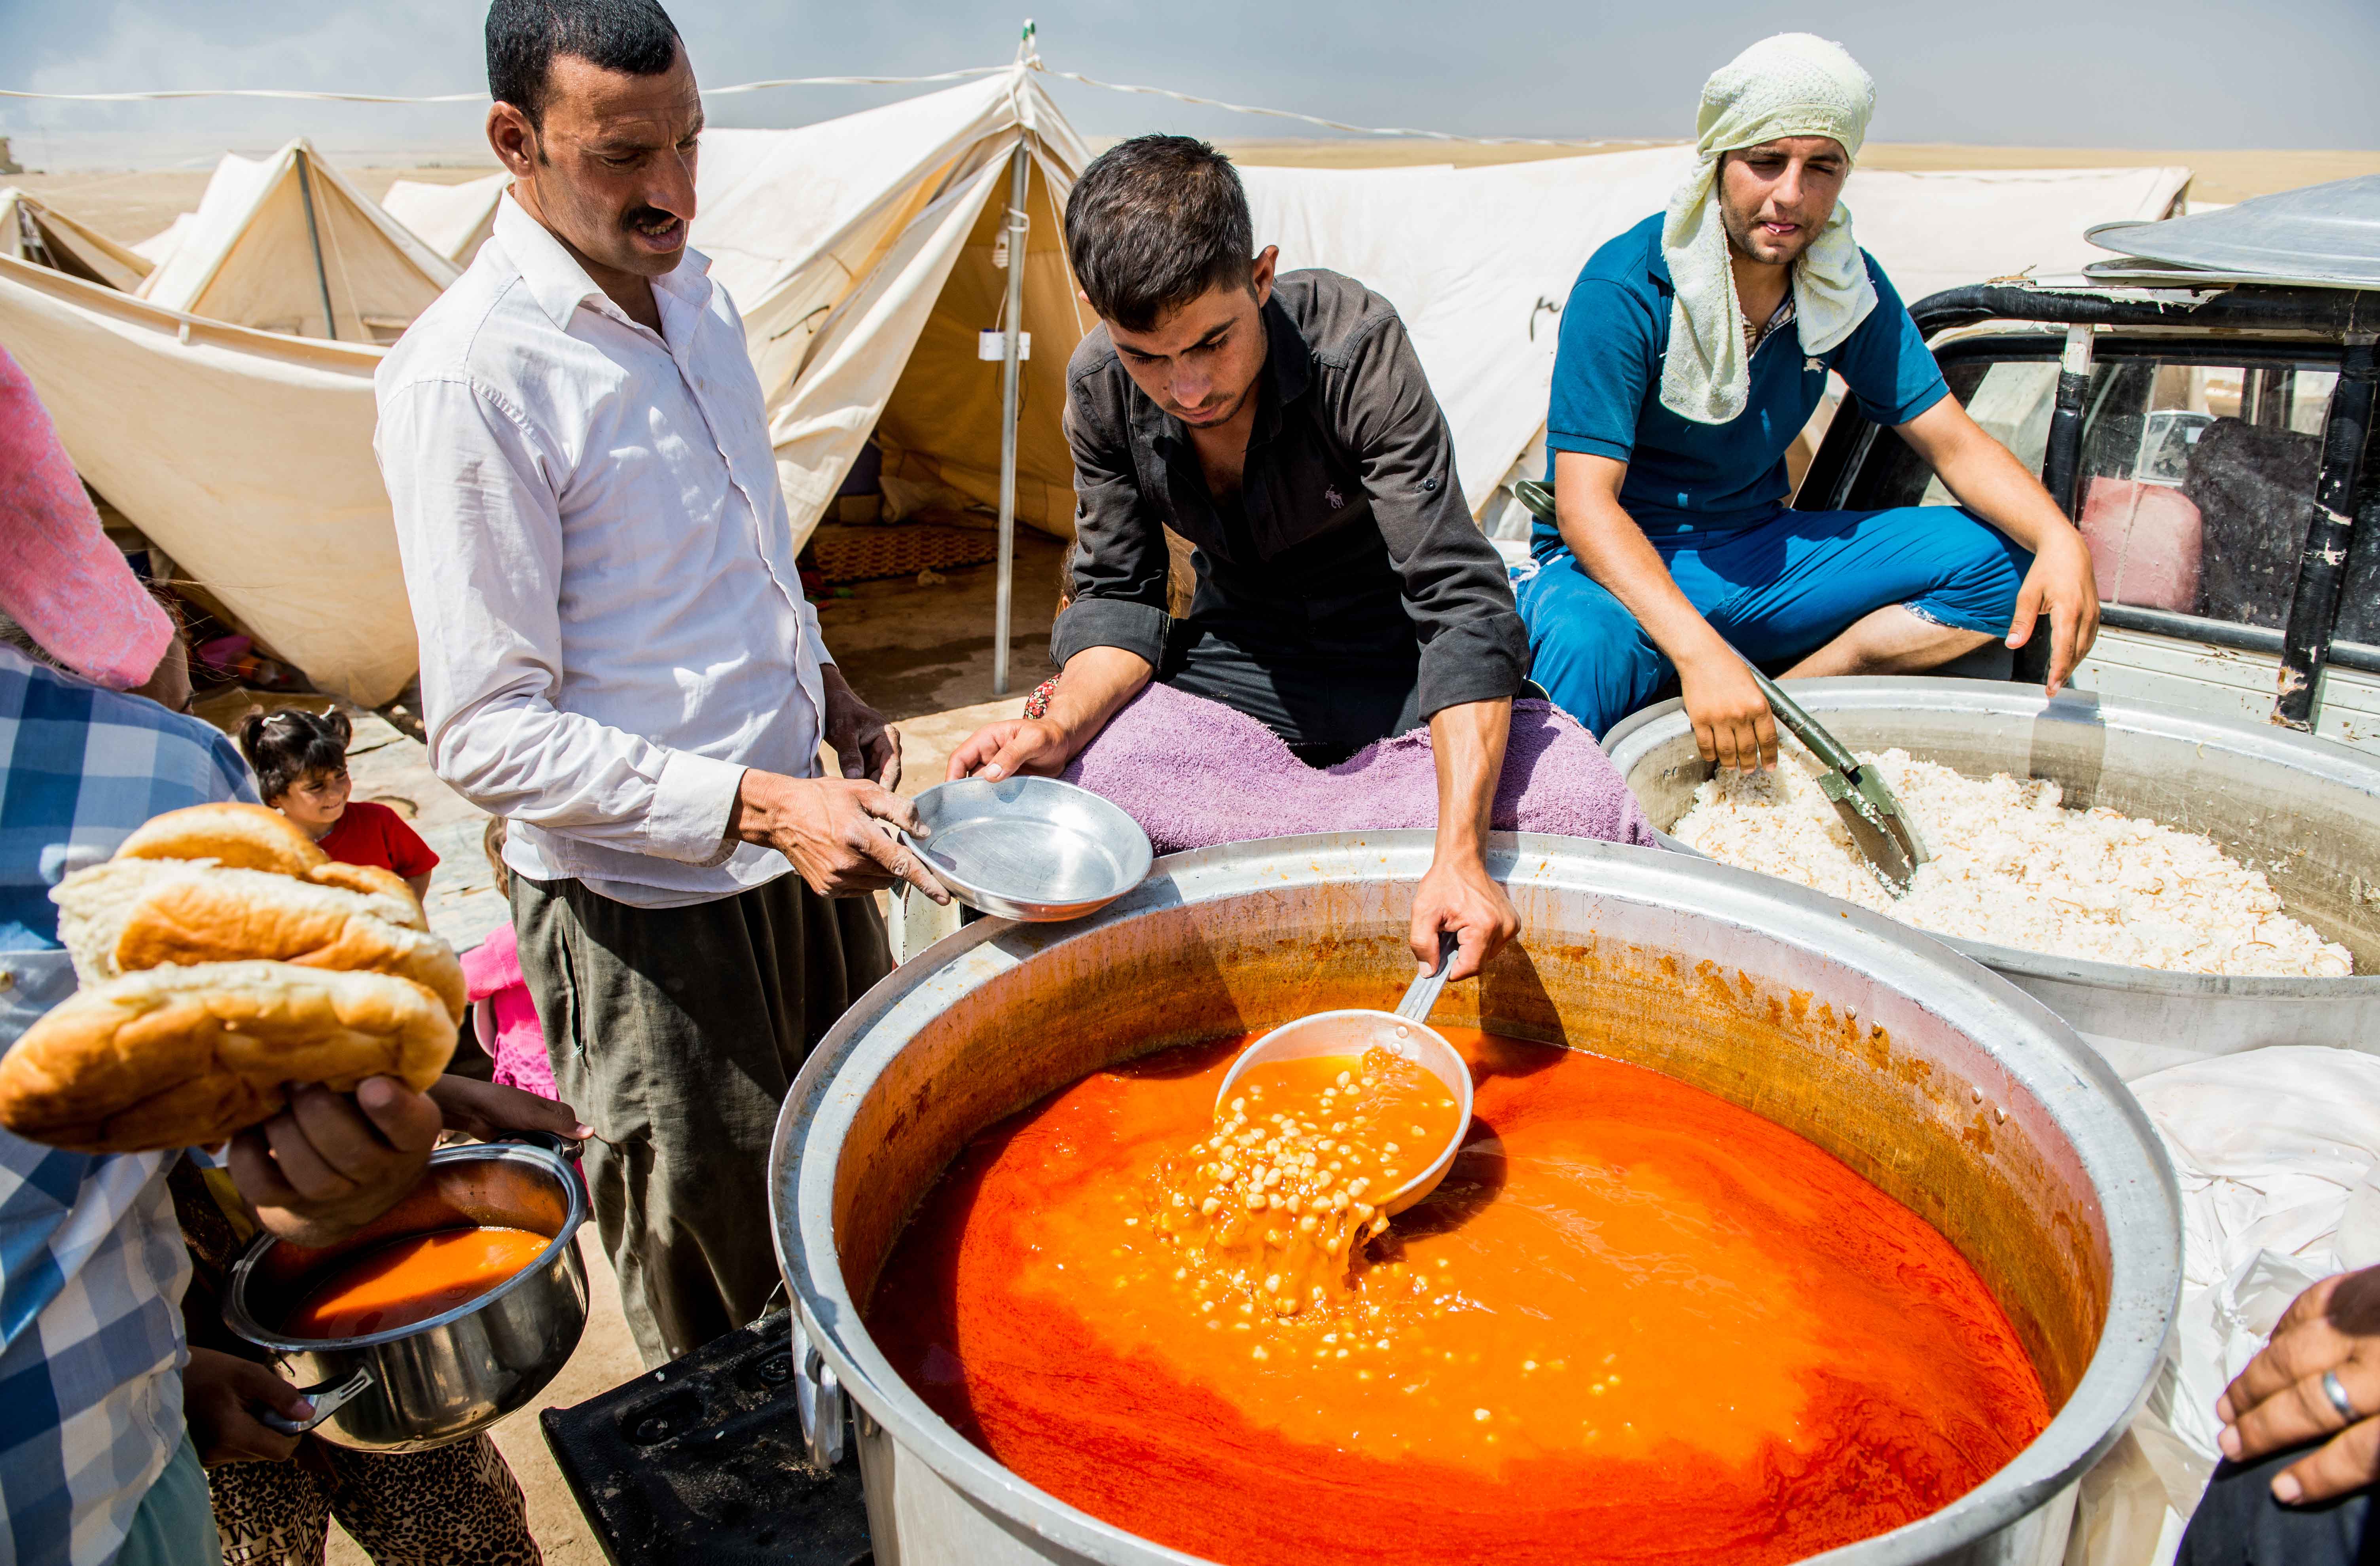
<point x="1693" y="348"/>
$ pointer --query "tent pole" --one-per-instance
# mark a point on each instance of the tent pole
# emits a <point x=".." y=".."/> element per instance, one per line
<point x="314" y="238"/>
<point x="1020" y="173"/>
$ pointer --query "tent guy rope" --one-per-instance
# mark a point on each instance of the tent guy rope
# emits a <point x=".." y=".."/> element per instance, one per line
<point x="1029" y="62"/>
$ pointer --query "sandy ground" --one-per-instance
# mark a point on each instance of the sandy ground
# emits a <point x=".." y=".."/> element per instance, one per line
<point x="921" y="654"/>
<point x="132" y="206"/>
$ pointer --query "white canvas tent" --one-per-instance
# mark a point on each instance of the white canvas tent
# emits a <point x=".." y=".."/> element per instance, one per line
<point x="247" y="456"/>
<point x="31" y="230"/>
<point x="867" y="256"/>
<point x="451" y="219"/>
<point x="288" y="245"/>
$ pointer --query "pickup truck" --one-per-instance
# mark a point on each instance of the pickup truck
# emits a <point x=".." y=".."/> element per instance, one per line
<point x="2202" y="408"/>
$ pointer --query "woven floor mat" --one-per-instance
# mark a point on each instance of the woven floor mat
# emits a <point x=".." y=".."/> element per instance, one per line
<point x="862" y="554"/>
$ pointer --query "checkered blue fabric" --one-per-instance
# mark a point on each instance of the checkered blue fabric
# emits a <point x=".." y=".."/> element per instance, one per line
<point x="85" y="767"/>
<point x="91" y="1263"/>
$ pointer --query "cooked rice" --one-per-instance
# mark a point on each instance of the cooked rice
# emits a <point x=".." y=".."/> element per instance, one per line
<point x="2012" y="865"/>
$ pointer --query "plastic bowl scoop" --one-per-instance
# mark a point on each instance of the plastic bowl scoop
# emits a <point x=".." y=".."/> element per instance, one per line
<point x="1403" y="1033"/>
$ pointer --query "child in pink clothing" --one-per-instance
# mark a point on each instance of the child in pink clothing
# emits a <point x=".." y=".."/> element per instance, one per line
<point x="503" y="1012"/>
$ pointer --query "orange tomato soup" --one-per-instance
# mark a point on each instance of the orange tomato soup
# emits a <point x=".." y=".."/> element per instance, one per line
<point x="1635" y="1323"/>
<point x="412" y="1280"/>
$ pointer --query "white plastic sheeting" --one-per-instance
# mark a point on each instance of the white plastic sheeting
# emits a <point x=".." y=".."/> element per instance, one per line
<point x="2275" y="1150"/>
<point x="1479" y="261"/>
<point x="158" y="246"/>
<point x="273" y="236"/>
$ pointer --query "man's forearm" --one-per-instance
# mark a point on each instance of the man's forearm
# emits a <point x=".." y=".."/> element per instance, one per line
<point x="1615" y="553"/>
<point x="1092" y="689"/>
<point x="564" y="771"/>
<point x="1985" y="477"/>
<point x="1468" y="743"/>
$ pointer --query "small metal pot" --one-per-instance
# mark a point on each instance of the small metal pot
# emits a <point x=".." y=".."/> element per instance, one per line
<point x="456" y="1374"/>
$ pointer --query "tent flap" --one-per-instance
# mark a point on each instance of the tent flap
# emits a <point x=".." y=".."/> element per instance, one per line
<point x="247" y="458"/>
<point x="453" y="220"/>
<point x="864" y="254"/>
<point x="33" y="230"/>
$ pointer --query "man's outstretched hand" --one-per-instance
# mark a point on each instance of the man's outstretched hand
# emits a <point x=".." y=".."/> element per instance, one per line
<point x="488" y="1109"/>
<point x="828" y="828"/>
<point x="1011" y="747"/>
<point x="2061" y="588"/>
<point x="331" y="1162"/>
<point x="2280" y="1401"/>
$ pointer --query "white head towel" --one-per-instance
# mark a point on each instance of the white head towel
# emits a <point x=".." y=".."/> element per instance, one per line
<point x="1792" y="84"/>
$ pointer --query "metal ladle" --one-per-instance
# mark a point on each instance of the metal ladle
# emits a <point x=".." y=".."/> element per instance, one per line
<point x="1404" y="1032"/>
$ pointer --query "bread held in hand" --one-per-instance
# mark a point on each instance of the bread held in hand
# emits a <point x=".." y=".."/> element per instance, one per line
<point x="129" y="915"/>
<point x="251" y="837"/>
<point x="243" y="837"/>
<point x="178" y="1057"/>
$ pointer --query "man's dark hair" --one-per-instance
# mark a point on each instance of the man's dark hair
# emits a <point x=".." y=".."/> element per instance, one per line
<point x="1154" y="222"/>
<point x="288" y="747"/>
<point x="632" y="36"/>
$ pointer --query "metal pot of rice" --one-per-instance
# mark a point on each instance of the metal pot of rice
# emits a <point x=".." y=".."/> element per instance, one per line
<point x="2302" y="812"/>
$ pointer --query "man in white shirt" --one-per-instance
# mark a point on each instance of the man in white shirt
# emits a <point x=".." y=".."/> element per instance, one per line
<point x="616" y="655"/>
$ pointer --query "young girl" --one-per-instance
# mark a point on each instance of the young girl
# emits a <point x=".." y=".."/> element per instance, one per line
<point x="300" y="760"/>
<point x="502" y="1014"/>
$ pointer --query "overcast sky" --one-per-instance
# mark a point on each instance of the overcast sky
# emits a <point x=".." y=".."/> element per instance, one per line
<point x="2149" y="74"/>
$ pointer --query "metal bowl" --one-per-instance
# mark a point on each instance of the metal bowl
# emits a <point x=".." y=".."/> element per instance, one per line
<point x="1033" y="849"/>
<point x="459" y="1372"/>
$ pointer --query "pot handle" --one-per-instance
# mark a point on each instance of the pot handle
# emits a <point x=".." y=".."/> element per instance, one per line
<point x="551" y="1141"/>
<point x="818" y="1397"/>
<point x="328" y="1398"/>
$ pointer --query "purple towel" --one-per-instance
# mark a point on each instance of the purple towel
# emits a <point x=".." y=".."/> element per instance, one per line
<point x="1194" y="773"/>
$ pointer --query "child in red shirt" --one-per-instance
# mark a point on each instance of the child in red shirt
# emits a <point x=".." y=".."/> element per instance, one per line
<point x="300" y="760"/>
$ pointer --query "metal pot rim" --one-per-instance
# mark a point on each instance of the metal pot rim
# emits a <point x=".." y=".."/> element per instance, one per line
<point x="1663" y="724"/>
<point x="2142" y="1201"/>
<point x="241" y="1320"/>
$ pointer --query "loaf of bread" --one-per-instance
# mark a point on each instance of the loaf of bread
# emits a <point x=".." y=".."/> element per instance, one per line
<point x="178" y="1057"/>
<point x="244" y="837"/>
<point x="129" y="915"/>
<point x="372" y="882"/>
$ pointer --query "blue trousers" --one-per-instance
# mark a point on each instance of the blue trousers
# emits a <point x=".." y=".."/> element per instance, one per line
<point x="176" y="1523"/>
<point x="1777" y="590"/>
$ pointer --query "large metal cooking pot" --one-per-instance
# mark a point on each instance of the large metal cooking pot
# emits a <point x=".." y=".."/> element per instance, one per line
<point x="457" y="1372"/>
<point x="1948" y="1087"/>
<point x="2303" y="810"/>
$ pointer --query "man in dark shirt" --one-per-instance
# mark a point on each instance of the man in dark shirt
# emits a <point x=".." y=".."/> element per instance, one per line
<point x="1283" y="426"/>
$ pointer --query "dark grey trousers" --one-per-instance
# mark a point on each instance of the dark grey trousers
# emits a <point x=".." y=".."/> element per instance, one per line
<point x="2238" y="1524"/>
<point x="675" y="1033"/>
